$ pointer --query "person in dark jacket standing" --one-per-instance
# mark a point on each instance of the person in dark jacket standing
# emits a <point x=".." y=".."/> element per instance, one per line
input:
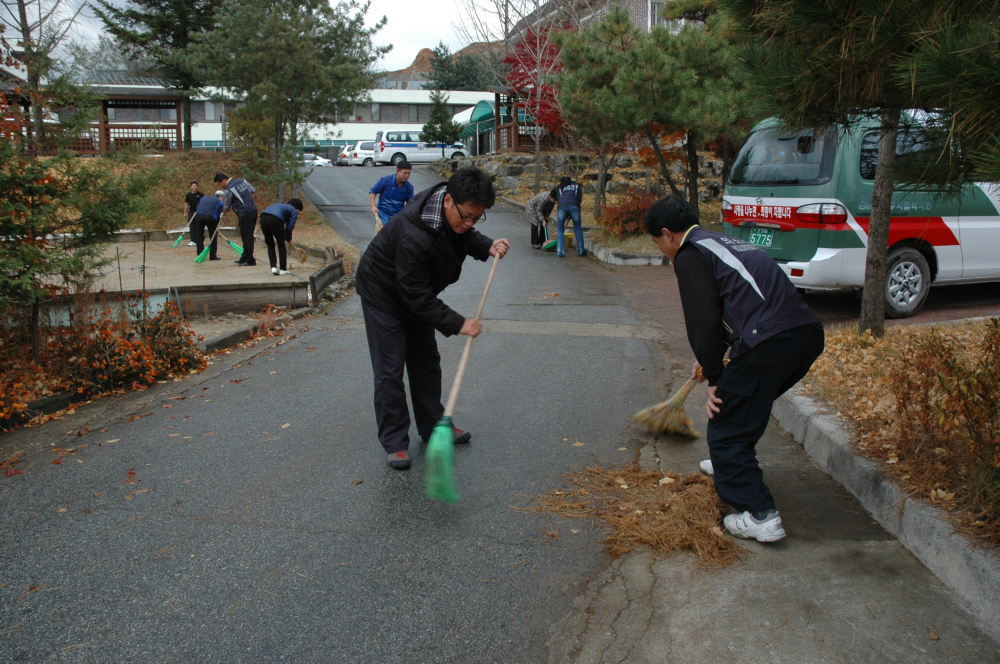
<point x="736" y="298"/>
<point x="239" y="197"/>
<point x="570" y="198"/>
<point x="399" y="278"/>
<point x="276" y="223"/>
<point x="206" y="220"/>
<point x="191" y="200"/>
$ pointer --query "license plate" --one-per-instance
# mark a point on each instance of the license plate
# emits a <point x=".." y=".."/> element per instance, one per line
<point x="761" y="237"/>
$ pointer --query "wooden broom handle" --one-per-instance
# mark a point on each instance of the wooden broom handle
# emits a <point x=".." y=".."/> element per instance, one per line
<point x="460" y="374"/>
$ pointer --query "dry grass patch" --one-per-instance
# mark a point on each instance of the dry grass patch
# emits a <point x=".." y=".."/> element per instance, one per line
<point x="926" y="404"/>
<point x="665" y="513"/>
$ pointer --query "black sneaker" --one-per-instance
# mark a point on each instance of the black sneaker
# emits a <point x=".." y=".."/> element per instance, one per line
<point x="240" y="262"/>
<point x="215" y="258"/>
<point x="399" y="460"/>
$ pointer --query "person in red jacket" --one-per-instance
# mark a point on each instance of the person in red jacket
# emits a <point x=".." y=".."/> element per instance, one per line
<point x="399" y="278"/>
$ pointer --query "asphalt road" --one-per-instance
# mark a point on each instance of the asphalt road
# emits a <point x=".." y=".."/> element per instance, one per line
<point x="231" y="525"/>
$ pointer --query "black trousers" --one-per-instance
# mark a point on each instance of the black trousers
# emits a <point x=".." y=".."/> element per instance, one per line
<point x="247" y="224"/>
<point x="202" y="228"/>
<point x="748" y="388"/>
<point x="393" y="344"/>
<point x="537" y="235"/>
<point x="274" y="233"/>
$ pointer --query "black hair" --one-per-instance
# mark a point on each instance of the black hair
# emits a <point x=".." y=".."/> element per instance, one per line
<point x="671" y="213"/>
<point x="471" y="184"/>
<point x="403" y="165"/>
<point x="565" y="180"/>
<point x="295" y="203"/>
<point x="554" y="193"/>
<point x="192" y="182"/>
<point x="221" y="177"/>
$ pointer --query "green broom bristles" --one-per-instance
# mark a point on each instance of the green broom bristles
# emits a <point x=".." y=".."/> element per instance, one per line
<point x="203" y="255"/>
<point x="178" y="240"/>
<point x="235" y="247"/>
<point x="440" y="479"/>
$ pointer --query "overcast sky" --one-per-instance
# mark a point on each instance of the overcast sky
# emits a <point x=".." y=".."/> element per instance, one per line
<point x="411" y="27"/>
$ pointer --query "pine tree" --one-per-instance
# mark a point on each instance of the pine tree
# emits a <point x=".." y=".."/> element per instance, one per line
<point x="161" y="30"/>
<point x="296" y="61"/>
<point x="456" y="72"/>
<point x="440" y="129"/>
<point x="594" y="111"/>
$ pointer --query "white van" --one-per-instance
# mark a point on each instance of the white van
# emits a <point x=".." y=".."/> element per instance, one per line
<point x="394" y="143"/>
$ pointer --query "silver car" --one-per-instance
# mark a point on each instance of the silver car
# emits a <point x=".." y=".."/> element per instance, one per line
<point x="315" y="161"/>
<point x="363" y="154"/>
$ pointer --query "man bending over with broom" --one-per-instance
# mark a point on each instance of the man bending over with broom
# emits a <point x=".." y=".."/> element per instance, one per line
<point x="399" y="279"/>
<point x="735" y="297"/>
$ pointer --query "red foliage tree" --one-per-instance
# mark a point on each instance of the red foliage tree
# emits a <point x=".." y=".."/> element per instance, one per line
<point x="533" y="62"/>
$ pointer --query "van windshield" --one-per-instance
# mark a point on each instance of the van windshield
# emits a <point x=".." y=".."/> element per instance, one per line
<point x="770" y="157"/>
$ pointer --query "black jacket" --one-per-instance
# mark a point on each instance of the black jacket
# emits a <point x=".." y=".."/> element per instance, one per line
<point x="734" y="297"/>
<point x="408" y="264"/>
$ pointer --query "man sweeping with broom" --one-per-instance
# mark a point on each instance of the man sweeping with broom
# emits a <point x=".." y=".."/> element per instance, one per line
<point x="736" y="298"/>
<point x="399" y="278"/>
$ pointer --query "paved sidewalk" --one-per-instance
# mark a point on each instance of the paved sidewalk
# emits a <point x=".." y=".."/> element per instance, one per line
<point x="838" y="589"/>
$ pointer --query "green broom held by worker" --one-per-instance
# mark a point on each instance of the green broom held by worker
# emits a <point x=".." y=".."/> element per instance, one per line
<point x="180" y="237"/>
<point x="440" y="480"/>
<point x="232" y="245"/>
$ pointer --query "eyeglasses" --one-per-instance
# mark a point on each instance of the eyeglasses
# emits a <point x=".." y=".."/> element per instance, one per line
<point x="468" y="217"/>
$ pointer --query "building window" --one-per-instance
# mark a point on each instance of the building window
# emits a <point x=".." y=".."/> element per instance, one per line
<point x="168" y="114"/>
<point x="376" y="113"/>
<point x="413" y="112"/>
<point x="111" y="114"/>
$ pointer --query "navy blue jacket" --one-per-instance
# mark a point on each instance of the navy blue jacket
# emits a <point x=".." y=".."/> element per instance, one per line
<point x="285" y="212"/>
<point x="570" y="194"/>
<point x="210" y="206"/>
<point x="239" y="196"/>
<point x="734" y="296"/>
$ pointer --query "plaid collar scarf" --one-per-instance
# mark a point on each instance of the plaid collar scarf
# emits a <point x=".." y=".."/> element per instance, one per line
<point x="433" y="214"/>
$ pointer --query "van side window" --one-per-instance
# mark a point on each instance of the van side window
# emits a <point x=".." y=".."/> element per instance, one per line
<point x="907" y="142"/>
<point x="368" y="145"/>
<point x="393" y="137"/>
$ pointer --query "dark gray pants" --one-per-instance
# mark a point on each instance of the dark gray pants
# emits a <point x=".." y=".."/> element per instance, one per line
<point x="274" y="234"/>
<point x="748" y="388"/>
<point x="393" y="344"/>
<point x="202" y="228"/>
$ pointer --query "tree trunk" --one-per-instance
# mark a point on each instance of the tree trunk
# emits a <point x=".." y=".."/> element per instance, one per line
<point x="32" y="60"/>
<point x="35" y="345"/>
<point x="538" y="159"/>
<point x="873" y="298"/>
<point x="691" y="148"/>
<point x="186" y="110"/>
<point x="602" y="182"/>
<point x="655" y="144"/>
<point x="279" y="136"/>
<point x="725" y="162"/>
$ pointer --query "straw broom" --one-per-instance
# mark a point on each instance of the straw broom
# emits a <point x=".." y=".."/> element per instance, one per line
<point x="670" y="415"/>
<point x="440" y="480"/>
<point x="300" y="253"/>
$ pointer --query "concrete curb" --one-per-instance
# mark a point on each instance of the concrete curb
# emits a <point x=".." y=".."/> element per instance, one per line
<point x="612" y="257"/>
<point x="240" y="335"/>
<point x="971" y="573"/>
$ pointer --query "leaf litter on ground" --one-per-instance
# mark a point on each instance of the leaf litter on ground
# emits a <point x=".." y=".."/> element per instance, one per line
<point x="643" y="511"/>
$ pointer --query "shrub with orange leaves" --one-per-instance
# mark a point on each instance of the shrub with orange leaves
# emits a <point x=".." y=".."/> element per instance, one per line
<point x="627" y="217"/>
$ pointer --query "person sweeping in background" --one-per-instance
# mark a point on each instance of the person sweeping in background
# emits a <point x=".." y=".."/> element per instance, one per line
<point x="538" y="210"/>
<point x="276" y="223"/>
<point x="239" y="196"/>
<point x="393" y="192"/>
<point x="399" y="278"/>
<point x="570" y="195"/>
<point x="206" y="220"/>
<point x="191" y="200"/>
<point x="736" y="298"/>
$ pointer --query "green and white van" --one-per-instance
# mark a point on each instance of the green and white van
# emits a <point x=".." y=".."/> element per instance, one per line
<point x="805" y="197"/>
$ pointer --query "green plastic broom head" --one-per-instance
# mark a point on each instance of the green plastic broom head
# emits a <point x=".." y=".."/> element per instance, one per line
<point x="440" y="479"/>
<point x="203" y="255"/>
<point x="177" y="242"/>
<point x="235" y="247"/>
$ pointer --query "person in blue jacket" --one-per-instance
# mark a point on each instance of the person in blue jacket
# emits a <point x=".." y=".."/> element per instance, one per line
<point x="393" y="191"/>
<point x="205" y="221"/>
<point x="276" y="223"/>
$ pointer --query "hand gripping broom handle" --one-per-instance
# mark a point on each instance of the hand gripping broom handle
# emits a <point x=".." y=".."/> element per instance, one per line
<point x="460" y="374"/>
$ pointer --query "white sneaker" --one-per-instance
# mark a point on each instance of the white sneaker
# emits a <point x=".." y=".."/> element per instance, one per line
<point x="706" y="467"/>
<point x="274" y="270"/>
<point x="192" y="244"/>
<point x="283" y="272"/>
<point x="745" y="526"/>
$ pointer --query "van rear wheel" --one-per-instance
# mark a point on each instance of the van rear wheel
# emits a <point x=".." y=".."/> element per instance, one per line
<point x="368" y="163"/>
<point x="396" y="158"/>
<point x="907" y="282"/>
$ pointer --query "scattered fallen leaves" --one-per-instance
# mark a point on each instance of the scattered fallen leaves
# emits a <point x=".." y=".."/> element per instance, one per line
<point x="56" y="462"/>
<point x="578" y="444"/>
<point x="356" y="481"/>
<point x="285" y="425"/>
<point x="932" y="635"/>
<point x="133" y="418"/>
